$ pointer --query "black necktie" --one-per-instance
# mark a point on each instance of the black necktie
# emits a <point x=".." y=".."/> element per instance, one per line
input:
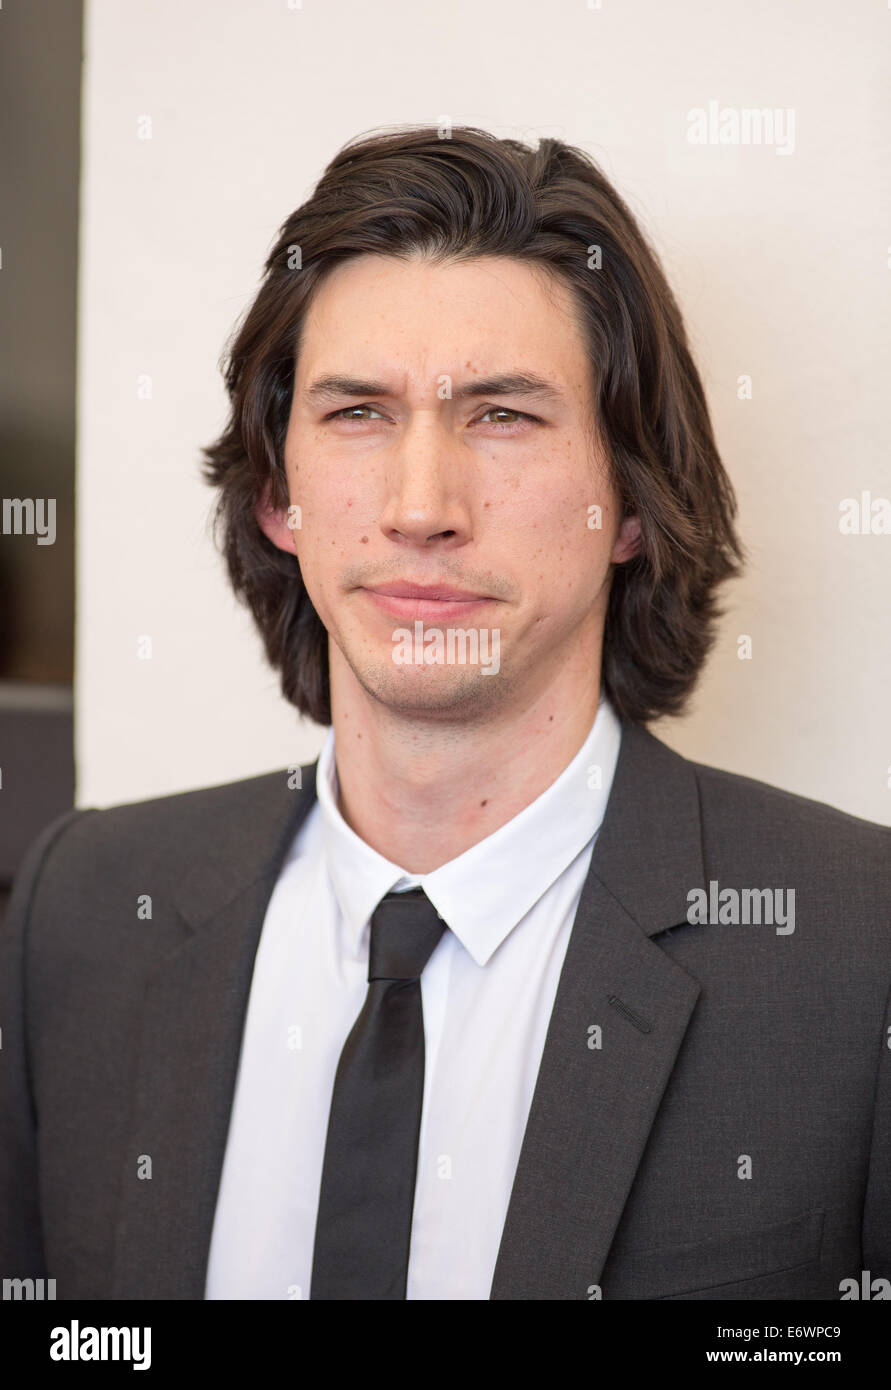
<point x="363" y="1226"/>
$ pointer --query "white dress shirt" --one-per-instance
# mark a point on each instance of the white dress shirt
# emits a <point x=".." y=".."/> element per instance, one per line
<point x="487" y="993"/>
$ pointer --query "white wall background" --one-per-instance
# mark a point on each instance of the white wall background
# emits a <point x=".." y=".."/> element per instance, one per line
<point x="781" y="264"/>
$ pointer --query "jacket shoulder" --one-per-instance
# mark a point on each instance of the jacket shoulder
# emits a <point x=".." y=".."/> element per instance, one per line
<point x="178" y="813"/>
<point x="756" y="834"/>
<point x="160" y="836"/>
<point x="749" y="805"/>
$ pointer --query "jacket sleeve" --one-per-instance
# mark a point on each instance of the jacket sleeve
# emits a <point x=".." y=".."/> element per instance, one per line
<point x="21" y="1247"/>
<point x="876" y="1235"/>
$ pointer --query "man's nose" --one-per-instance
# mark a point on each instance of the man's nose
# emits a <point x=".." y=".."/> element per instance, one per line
<point x="428" y="481"/>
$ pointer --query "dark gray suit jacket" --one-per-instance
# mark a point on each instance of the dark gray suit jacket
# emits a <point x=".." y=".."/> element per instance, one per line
<point x="729" y="1138"/>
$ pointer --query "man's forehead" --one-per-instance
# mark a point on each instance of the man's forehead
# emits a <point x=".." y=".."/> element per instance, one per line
<point x="502" y="301"/>
<point x="358" y="342"/>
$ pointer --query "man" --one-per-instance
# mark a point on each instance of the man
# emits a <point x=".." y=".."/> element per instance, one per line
<point x="502" y="998"/>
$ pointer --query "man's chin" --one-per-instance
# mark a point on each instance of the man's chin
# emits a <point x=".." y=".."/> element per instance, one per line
<point x="431" y="692"/>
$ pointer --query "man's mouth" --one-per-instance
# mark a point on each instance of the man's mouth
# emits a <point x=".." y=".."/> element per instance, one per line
<point x="431" y="602"/>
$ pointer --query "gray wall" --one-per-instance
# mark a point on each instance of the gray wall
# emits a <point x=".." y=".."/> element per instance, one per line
<point x="40" y="79"/>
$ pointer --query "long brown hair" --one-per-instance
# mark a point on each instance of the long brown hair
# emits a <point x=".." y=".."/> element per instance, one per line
<point x="410" y="191"/>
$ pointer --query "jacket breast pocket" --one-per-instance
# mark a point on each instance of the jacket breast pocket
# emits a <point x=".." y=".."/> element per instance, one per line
<point x="744" y="1264"/>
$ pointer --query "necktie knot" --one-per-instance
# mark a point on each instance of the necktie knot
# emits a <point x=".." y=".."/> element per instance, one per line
<point x="405" y="928"/>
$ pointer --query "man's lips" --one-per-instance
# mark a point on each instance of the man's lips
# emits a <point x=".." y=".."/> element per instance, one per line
<point x="403" y="588"/>
<point x="425" y="601"/>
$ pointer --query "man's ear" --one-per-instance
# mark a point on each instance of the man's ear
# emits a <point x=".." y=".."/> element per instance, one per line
<point x="273" y="522"/>
<point x="628" y="541"/>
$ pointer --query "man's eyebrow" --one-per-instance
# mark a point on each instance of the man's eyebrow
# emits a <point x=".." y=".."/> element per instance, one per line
<point x="332" y="387"/>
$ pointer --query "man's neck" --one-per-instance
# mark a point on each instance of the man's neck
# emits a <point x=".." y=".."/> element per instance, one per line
<point x="421" y="793"/>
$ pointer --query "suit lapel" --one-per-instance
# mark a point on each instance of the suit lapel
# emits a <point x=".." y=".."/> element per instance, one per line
<point x="593" y="1107"/>
<point x="191" y="1031"/>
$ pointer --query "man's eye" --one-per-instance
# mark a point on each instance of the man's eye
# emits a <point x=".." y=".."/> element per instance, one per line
<point x="506" y="410"/>
<point x="349" y="412"/>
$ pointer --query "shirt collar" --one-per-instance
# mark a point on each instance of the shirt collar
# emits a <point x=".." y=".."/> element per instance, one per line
<point x="486" y="891"/>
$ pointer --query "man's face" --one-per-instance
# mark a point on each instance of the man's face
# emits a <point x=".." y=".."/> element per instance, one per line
<point x="420" y="474"/>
